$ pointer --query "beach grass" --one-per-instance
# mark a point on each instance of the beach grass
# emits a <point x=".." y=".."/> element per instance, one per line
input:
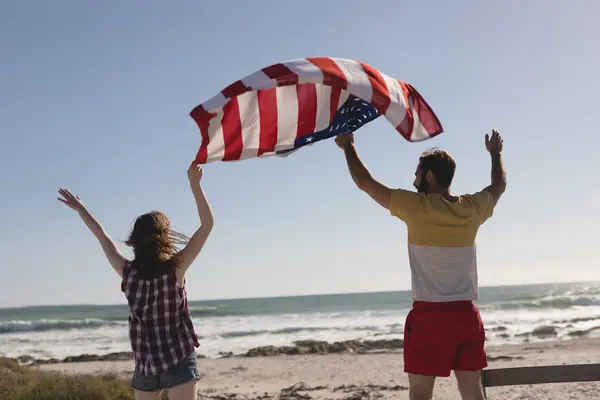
<point x="25" y="383"/>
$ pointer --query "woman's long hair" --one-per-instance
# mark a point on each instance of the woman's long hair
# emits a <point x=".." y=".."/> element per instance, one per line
<point x="155" y="245"/>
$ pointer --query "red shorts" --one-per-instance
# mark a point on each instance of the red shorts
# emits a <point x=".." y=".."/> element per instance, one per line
<point x="441" y="337"/>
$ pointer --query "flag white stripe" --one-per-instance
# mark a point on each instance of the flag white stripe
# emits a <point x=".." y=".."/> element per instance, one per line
<point x="215" y="103"/>
<point x="259" y="80"/>
<point x="358" y="81"/>
<point x="419" y="133"/>
<point x="216" y="144"/>
<point x="397" y="110"/>
<point x="267" y="154"/>
<point x="287" y="117"/>
<point x="323" y="102"/>
<point x="250" y="122"/>
<point x="307" y="72"/>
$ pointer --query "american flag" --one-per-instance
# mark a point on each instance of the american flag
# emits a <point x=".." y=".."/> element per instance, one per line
<point x="283" y="107"/>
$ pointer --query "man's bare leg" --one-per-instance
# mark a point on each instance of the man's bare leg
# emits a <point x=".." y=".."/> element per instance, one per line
<point x="421" y="386"/>
<point x="469" y="385"/>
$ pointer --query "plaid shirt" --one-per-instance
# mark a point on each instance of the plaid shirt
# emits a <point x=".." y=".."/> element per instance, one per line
<point x="160" y="323"/>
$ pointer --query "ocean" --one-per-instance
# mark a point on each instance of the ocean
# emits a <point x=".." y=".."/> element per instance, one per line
<point x="510" y="314"/>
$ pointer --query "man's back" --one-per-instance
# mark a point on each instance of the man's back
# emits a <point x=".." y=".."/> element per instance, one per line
<point x="441" y="242"/>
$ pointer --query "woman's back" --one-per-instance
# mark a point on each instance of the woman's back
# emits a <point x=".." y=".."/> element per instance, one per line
<point x="160" y="324"/>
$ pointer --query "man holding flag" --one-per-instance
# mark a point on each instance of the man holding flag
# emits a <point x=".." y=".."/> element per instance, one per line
<point x="443" y="331"/>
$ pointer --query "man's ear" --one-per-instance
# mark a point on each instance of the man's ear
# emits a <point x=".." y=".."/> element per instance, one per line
<point x="429" y="177"/>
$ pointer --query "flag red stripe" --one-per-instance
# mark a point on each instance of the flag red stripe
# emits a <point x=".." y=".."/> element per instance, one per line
<point x="282" y="74"/>
<point x="406" y="126"/>
<point x="427" y="117"/>
<point x="267" y="109"/>
<point x="202" y="119"/>
<point x="232" y="131"/>
<point x="307" y="109"/>
<point x="332" y="74"/>
<point x="381" y="95"/>
<point x="334" y="77"/>
<point x="235" y="89"/>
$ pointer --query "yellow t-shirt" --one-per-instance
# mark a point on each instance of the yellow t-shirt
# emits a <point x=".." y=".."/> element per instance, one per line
<point x="441" y="242"/>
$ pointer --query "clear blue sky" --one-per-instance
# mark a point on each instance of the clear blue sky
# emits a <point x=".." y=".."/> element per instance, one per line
<point x="95" y="96"/>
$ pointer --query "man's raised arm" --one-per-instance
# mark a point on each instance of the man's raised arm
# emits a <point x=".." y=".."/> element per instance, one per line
<point x="361" y="175"/>
<point x="494" y="147"/>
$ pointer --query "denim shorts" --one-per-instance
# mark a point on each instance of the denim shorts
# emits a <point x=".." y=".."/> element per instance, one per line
<point x="183" y="372"/>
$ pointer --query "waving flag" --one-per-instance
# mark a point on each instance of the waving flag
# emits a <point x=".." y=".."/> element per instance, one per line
<point x="283" y="107"/>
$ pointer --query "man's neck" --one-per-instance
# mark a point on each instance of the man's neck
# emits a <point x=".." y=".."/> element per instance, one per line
<point x="445" y="193"/>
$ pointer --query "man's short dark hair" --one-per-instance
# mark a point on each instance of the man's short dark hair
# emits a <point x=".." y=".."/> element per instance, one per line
<point x="440" y="163"/>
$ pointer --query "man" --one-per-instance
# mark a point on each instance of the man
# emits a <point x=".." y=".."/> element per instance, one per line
<point x="443" y="331"/>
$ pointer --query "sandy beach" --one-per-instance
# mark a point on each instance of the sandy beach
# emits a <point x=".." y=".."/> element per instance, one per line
<point x="363" y="376"/>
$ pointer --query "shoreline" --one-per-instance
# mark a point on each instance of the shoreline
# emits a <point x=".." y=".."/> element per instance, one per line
<point x="545" y="334"/>
<point x="353" y="376"/>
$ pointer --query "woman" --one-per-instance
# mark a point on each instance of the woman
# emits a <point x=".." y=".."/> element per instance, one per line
<point x="162" y="336"/>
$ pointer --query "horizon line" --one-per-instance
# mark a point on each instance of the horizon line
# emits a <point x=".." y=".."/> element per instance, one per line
<point x="287" y="296"/>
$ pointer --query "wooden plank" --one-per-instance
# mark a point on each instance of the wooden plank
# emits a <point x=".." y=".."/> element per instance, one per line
<point x="540" y="375"/>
